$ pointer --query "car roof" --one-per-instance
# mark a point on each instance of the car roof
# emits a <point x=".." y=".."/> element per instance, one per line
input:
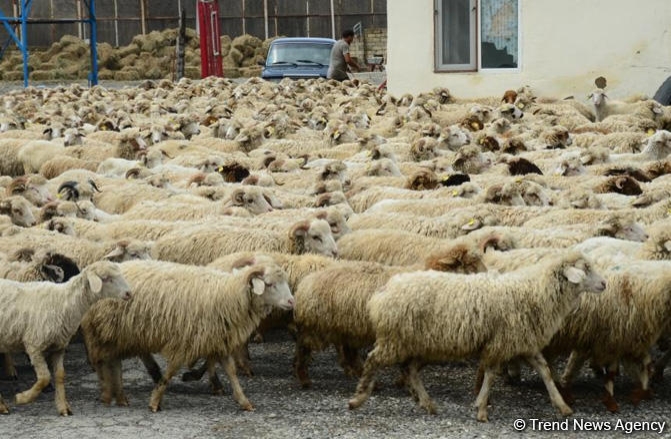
<point x="304" y="40"/>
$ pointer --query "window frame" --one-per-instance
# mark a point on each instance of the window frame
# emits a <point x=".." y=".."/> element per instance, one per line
<point x="462" y="68"/>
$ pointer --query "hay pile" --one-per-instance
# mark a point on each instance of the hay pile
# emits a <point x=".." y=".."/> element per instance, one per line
<point x="150" y="56"/>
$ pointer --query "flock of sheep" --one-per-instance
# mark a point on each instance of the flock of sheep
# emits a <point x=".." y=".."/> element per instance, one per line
<point x="183" y="219"/>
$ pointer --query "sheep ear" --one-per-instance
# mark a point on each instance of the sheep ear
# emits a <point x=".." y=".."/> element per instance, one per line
<point x="95" y="282"/>
<point x="258" y="286"/>
<point x="118" y="251"/>
<point x="473" y="224"/>
<point x="574" y="275"/>
<point x="238" y="197"/>
<point x="667" y="246"/>
<point x="300" y="229"/>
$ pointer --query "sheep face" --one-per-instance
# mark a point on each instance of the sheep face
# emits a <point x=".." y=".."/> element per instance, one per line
<point x="659" y="145"/>
<point x="128" y="251"/>
<point x="581" y="274"/>
<point x="18" y="209"/>
<point x="510" y="112"/>
<point x="270" y="284"/>
<point x="313" y="237"/>
<point x="251" y="199"/>
<point x="62" y="226"/>
<point x="105" y="278"/>
<point x="337" y="222"/>
<point x="629" y="231"/>
<point x="598" y="97"/>
<point x="453" y="138"/>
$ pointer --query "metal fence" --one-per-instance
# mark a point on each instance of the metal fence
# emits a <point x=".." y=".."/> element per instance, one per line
<point x="120" y="20"/>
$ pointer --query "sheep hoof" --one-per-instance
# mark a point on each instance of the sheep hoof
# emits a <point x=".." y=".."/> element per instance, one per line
<point x="482" y="416"/>
<point x="355" y="402"/>
<point x="565" y="410"/>
<point x="154" y="409"/>
<point x="22" y="398"/>
<point x="430" y="407"/>
<point x="122" y="402"/>
<point x="610" y="403"/>
<point x="638" y="395"/>
<point x="65" y="412"/>
<point x="248" y="407"/>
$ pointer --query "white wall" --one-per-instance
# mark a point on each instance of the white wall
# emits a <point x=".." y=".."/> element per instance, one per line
<point x="565" y="45"/>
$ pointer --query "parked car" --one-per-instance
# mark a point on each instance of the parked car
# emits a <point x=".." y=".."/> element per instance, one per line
<point x="298" y="58"/>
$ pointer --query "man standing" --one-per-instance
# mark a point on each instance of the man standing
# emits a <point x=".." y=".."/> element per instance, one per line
<point x="340" y="57"/>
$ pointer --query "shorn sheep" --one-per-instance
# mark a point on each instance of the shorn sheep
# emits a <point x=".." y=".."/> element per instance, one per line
<point x="184" y="313"/>
<point x="432" y="317"/>
<point x="41" y="317"/>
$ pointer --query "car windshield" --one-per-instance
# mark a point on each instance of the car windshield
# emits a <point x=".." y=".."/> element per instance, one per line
<point x="299" y="53"/>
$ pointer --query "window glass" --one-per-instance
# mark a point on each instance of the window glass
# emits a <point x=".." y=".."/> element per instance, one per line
<point x="456" y="21"/>
<point x="499" y="30"/>
<point x="300" y="53"/>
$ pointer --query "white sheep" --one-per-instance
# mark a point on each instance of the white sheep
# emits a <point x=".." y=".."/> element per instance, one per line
<point x="184" y="313"/>
<point x="18" y="209"/>
<point x="200" y="245"/>
<point x="437" y="317"/>
<point x="41" y="317"/>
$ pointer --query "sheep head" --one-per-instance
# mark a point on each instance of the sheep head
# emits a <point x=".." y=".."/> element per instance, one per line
<point x="19" y="210"/>
<point x="251" y="199"/>
<point x="269" y="282"/>
<point x="336" y="220"/>
<point x="460" y="258"/>
<point x="313" y="236"/>
<point x="105" y="278"/>
<point x="423" y="179"/>
<point x="128" y="250"/>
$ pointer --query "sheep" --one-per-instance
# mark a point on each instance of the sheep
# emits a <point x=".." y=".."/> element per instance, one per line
<point x="331" y="304"/>
<point x="18" y="210"/>
<point x="620" y="324"/>
<point x="200" y="245"/>
<point x="496" y="316"/>
<point x="33" y="188"/>
<point x="10" y="163"/>
<point x="50" y="315"/>
<point x="37" y="152"/>
<point x="604" y="109"/>
<point x="184" y="313"/>
<point x="60" y="164"/>
<point x="82" y="251"/>
<point x="656" y="248"/>
<point x="40" y="266"/>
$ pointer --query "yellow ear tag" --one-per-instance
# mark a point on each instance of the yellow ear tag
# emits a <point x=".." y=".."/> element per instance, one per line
<point x="482" y="141"/>
<point x="518" y="180"/>
<point x="471" y="222"/>
<point x="59" y="196"/>
<point x="475" y="125"/>
<point x="455" y="193"/>
<point x="220" y="169"/>
<point x="669" y="211"/>
<point x="520" y="106"/>
<point x="651" y="132"/>
<point x="103" y="128"/>
<point x="369" y="153"/>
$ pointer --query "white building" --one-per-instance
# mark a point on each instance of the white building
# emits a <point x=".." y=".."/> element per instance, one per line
<point x="558" y="47"/>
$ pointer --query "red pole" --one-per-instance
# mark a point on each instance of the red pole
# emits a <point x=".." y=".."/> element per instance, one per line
<point x="210" y="43"/>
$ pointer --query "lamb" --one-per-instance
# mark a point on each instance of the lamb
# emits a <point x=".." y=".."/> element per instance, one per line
<point x="214" y="318"/>
<point x="461" y="317"/>
<point x="50" y="315"/>
<point x="200" y="245"/>
<point x="331" y="304"/>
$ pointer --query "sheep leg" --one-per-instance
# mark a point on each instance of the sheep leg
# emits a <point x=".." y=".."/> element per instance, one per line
<point x="642" y="390"/>
<point x="59" y="383"/>
<point x="609" y="398"/>
<point x="9" y="371"/>
<point x="483" y="397"/>
<point x="513" y="372"/>
<point x="238" y="395"/>
<point x="195" y="374"/>
<point x="152" y="367"/>
<point x="301" y="360"/>
<point x="4" y="409"/>
<point x="417" y="388"/>
<point x="242" y="359"/>
<point x="117" y="383"/>
<point x="660" y="364"/>
<point x="159" y="390"/>
<point x="106" y="380"/>
<point x="538" y="362"/>
<point x="573" y="366"/>
<point x="349" y="360"/>
<point x="215" y="384"/>
<point x="374" y="362"/>
<point x="43" y="377"/>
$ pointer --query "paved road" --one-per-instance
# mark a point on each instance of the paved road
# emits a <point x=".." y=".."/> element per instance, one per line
<point x="285" y="410"/>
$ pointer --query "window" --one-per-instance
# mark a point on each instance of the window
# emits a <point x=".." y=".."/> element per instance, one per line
<point x="472" y="33"/>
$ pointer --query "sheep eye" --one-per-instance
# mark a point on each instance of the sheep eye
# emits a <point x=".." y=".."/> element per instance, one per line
<point x="317" y="238"/>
